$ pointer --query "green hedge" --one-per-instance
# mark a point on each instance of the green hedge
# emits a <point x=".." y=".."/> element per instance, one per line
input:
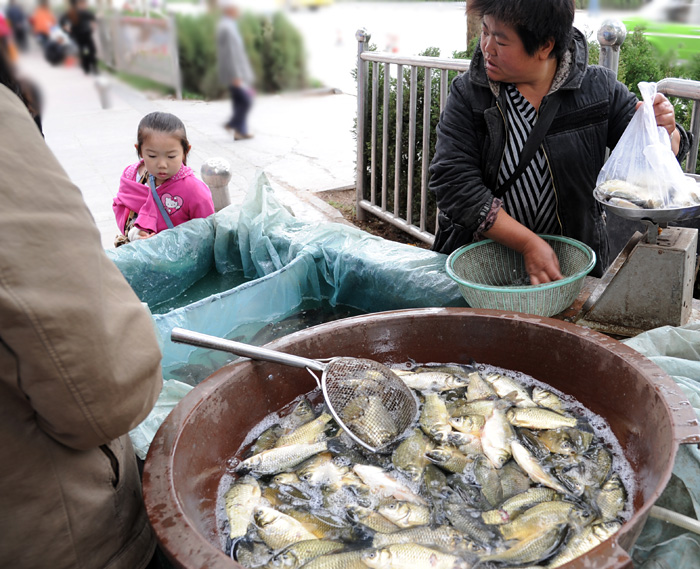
<point x="275" y="49"/>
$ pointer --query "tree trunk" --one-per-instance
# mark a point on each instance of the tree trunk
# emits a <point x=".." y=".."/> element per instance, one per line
<point x="473" y="27"/>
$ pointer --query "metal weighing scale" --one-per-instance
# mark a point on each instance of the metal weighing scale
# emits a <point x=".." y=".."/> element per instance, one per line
<point x="650" y="283"/>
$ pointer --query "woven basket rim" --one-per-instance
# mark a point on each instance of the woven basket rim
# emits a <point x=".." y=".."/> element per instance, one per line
<point x="449" y="266"/>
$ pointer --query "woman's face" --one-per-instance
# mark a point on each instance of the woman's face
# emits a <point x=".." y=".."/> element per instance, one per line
<point x="505" y="57"/>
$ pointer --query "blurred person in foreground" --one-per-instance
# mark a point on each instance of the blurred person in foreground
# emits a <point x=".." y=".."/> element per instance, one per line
<point x="79" y="23"/>
<point x="235" y="72"/>
<point x="531" y="65"/>
<point x="24" y="88"/>
<point x="79" y="368"/>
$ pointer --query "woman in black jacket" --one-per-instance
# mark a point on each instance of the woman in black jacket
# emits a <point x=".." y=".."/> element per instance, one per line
<point x="531" y="64"/>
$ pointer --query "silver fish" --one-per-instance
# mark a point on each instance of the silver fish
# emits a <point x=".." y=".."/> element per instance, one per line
<point x="411" y="556"/>
<point x="299" y="553"/>
<point x="533" y="468"/>
<point x="509" y="389"/>
<point x="512" y="506"/>
<point x="409" y="457"/>
<point x="384" y="485"/>
<point x="405" y="514"/>
<point x="545" y="398"/>
<point x="538" y="418"/>
<point x="310" y="432"/>
<point x="431" y="380"/>
<point x="534" y="548"/>
<point x="584" y="541"/>
<point x="276" y="460"/>
<point x="496" y="438"/>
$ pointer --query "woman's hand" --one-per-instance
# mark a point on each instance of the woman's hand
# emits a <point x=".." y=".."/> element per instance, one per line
<point x="541" y="262"/>
<point x="143" y="234"/>
<point x="666" y="118"/>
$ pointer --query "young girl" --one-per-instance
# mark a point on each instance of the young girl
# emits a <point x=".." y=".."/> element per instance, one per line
<point x="161" y="174"/>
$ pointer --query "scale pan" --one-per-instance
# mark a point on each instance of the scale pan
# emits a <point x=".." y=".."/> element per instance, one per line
<point x="664" y="215"/>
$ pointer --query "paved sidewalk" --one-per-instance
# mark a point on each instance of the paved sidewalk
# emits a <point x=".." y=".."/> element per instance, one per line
<point x="303" y="141"/>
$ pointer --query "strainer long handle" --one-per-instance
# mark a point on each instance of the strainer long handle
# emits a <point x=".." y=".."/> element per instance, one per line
<point x="192" y="338"/>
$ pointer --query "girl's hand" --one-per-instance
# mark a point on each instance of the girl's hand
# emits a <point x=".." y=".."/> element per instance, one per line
<point x="541" y="263"/>
<point x="144" y="234"/>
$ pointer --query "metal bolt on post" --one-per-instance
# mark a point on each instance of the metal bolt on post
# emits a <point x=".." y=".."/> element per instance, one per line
<point x="362" y="37"/>
<point x="611" y="35"/>
<point x="216" y="173"/>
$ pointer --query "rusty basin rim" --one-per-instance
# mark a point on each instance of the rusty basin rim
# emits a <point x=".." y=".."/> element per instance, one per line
<point x="177" y="533"/>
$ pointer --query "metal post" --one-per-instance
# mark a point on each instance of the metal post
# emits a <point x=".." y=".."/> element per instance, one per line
<point x="175" y="58"/>
<point x="362" y="37"/>
<point x="611" y="35"/>
<point x="216" y="173"/>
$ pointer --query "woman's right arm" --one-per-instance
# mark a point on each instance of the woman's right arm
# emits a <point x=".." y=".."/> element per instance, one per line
<point x="541" y="262"/>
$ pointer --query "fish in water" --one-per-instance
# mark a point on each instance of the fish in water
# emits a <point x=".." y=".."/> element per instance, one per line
<point x="496" y="438"/>
<point x="279" y="459"/>
<point x="405" y="514"/>
<point x="310" y="432"/>
<point x="297" y="554"/>
<point x="240" y="501"/>
<point x="279" y="530"/>
<point x="411" y="556"/>
<point x="494" y="473"/>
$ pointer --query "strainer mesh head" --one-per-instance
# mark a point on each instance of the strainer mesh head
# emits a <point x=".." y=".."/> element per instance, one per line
<point x="370" y="400"/>
<point x="491" y="275"/>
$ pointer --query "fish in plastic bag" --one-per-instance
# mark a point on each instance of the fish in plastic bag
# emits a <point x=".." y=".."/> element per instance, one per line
<point x="642" y="171"/>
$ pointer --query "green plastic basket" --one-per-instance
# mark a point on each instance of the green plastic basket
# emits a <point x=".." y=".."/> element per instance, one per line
<point x="491" y="275"/>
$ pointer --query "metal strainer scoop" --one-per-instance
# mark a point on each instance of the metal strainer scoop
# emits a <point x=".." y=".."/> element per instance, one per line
<point x="368" y="400"/>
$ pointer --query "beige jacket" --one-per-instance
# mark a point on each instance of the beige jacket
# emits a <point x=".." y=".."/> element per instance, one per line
<point x="79" y="367"/>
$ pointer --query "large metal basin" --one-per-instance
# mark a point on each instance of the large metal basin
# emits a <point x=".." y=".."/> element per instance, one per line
<point x="647" y="412"/>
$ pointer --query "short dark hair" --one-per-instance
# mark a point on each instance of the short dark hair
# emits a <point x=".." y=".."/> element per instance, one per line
<point x="535" y="21"/>
<point x="162" y="122"/>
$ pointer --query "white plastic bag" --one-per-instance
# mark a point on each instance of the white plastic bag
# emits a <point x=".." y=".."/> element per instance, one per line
<point x="642" y="170"/>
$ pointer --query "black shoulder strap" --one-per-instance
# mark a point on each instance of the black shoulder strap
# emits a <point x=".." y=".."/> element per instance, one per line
<point x="532" y="143"/>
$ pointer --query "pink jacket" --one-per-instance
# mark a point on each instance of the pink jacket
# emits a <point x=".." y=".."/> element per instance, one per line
<point x="183" y="196"/>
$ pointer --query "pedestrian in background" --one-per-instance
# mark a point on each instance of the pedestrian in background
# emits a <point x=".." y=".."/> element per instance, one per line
<point x="79" y="23"/>
<point x="42" y="20"/>
<point x="79" y="368"/>
<point x="18" y="20"/>
<point x="234" y="69"/>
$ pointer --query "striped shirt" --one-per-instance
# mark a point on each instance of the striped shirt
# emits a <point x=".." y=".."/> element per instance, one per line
<point x="531" y="199"/>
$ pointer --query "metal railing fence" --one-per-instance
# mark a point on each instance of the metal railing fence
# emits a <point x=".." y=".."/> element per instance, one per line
<point x="393" y="184"/>
<point x="399" y="135"/>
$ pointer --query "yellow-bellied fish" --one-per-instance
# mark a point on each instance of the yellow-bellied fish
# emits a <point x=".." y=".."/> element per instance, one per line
<point x="279" y="530"/>
<point x="240" y="501"/>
